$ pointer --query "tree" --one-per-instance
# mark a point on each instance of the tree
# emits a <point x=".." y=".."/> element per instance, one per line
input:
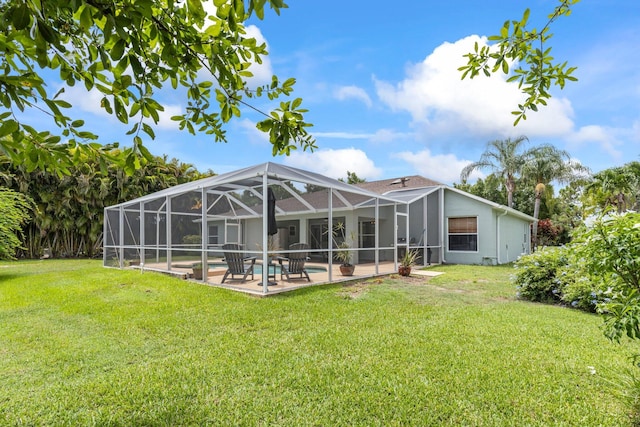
<point x="568" y="213"/>
<point x="615" y="188"/>
<point x="504" y="159"/>
<point x="352" y="178"/>
<point x="14" y="207"/>
<point x="516" y="43"/>
<point x="545" y="164"/>
<point x="128" y="50"/>
<point x="69" y="218"/>
<point x="489" y="188"/>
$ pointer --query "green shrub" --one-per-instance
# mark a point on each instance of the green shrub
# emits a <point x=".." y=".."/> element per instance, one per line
<point x="581" y="290"/>
<point x="537" y="275"/>
<point x="15" y="209"/>
<point x="192" y="239"/>
<point x="609" y="250"/>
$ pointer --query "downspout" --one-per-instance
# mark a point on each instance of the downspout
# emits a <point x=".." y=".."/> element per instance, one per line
<point x="498" y="236"/>
<point x="442" y="227"/>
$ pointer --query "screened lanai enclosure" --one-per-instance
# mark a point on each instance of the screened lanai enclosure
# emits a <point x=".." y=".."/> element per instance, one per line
<point x="259" y="223"/>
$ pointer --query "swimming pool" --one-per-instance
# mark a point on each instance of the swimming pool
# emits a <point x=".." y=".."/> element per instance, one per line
<point x="257" y="268"/>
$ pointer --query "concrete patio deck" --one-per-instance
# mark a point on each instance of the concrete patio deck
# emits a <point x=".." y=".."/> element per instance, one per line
<point x="255" y="286"/>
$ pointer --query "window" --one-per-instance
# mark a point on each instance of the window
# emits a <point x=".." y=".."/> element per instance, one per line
<point x="213" y="234"/>
<point x="463" y="234"/>
<point x="367" y="233"/>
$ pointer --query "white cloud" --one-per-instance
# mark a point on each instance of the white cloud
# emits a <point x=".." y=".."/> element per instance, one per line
<point x="380" y="136"/>
<point x="603" y="137"/>
<point x="353" y="92"/>
<point x="335" y="163"/>
<point x="253" y="134"/>
<point x="165" y="121"/>
<point x="440" y="102"/>
<point x="388" y="135"/>
<point x="263" y="72"/>
<point x="445" y="168"/>
<point x="343" y="135"/>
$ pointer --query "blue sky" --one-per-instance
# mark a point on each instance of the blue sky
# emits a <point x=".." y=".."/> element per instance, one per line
<point x="380" y="80"/>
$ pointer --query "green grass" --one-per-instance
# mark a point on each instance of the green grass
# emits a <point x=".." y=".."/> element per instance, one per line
<point x="84" y="345"/>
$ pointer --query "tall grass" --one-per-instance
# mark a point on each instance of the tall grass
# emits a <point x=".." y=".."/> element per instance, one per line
<point x="83" y="345"/>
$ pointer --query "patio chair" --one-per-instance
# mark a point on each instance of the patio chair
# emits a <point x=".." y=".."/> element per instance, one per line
<point x="296" y="262"/>
<point x="237" y="263"/>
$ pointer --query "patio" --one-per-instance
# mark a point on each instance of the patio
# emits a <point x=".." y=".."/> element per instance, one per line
<point x="255" y="286"/>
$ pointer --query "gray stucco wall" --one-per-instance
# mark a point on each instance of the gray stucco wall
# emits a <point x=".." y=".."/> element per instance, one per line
<point x="501" y="238"/>
<point x="514" y="238"/>
<point x="458" y="205"/>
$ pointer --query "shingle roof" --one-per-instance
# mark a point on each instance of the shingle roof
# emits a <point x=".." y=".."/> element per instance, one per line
<point x="393" y="184"/>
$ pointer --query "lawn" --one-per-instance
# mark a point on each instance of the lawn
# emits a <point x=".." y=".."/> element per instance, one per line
<point x="84" y="345"/>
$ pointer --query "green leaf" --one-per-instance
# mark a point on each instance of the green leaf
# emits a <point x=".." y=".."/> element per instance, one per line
<point x="46" y="32"/>
<point x="86" y="19"/>
<point x="505" y="67"/>
<point x="145" y="152"/>
<point x="117" y="50"/>
<point x="504" y="31"/>
<point x="8" y="127"/>
<point x="265" y="125"/>
<point x="195" y="8"/>
<point x="148" y="130"/>
<point x="21" y="17"/>
<point x="214" y="29"/>
<point x="136" y="66"/>
<point x="63" y="104"/>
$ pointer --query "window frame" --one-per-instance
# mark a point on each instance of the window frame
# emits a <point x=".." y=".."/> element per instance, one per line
<point x="476" y="234"/>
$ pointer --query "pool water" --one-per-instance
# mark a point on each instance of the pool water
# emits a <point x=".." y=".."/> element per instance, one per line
<point x="257" y="268"/>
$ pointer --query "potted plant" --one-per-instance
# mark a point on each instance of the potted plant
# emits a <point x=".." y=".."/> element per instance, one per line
<point x="408" y="260"/>
<point x="197" y="271"/>
<point x="344" y="255"/>
<point x="273" y="248"/>
<point x="343" y="252"/>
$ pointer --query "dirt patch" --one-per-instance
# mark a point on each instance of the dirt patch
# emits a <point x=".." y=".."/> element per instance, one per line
<point x="413" y="280"/>
<point x="354" y="290"/>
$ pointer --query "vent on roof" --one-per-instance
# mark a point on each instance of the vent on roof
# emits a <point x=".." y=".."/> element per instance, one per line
<point x="402" y="181"/>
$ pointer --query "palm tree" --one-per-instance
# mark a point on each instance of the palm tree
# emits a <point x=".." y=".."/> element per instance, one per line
<point x="543" y="165"/>
<point x="615" y="187"/>
<point x="503" y="158"/>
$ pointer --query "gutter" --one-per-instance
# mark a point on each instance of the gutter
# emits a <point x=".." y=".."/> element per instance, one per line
<point x="498" y="235"/>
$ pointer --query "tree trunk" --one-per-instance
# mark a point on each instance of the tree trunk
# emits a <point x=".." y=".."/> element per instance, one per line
<point x="536" y="212"/>
<point x="621" y="202"/>
<point x="511" y="186"/>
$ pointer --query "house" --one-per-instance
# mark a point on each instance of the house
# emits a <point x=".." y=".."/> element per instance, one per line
<point x="380" y="220"/>
<point x="464" y="228"/>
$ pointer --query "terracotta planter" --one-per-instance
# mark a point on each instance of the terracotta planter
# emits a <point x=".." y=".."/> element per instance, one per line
<point x="404" y="271"/>
<point x="347" y="270"/>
